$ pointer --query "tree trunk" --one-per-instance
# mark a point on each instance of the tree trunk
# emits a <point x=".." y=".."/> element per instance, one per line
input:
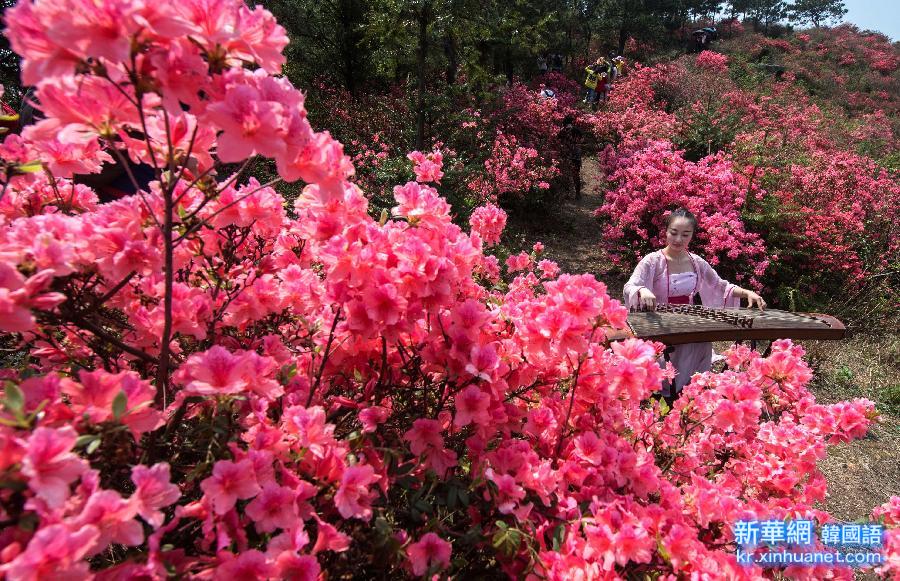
<point x="424" y="15"/>
<point x="623" y="34"/>
<point x="348" y="44"/>
<point x="452" y="62"/>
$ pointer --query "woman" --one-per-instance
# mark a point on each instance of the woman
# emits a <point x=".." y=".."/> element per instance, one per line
<point x="675" y="276"/>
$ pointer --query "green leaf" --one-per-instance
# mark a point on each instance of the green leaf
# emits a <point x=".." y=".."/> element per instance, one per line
<point x="663" y="406"/>
<point x="119" y="405"/>
<point x="559" y="535"/>
<point x="384" y="218"/>
<point x="451" y="497"/>
<point x="92" y="447"/>
<point x="30" y="167"/>
<point x="382" y="526"/>
<point x="15" y="399"/>
<point x="85" y="439"/>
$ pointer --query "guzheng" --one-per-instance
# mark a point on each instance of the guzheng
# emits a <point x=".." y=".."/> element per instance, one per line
<point x="678" y="324"/>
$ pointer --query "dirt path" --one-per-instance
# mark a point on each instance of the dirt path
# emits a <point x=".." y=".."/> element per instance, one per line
<point x="861" y="474"/>
<point x="572" y="236"/>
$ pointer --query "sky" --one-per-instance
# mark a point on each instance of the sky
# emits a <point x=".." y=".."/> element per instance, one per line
<point x="880" y="15"/>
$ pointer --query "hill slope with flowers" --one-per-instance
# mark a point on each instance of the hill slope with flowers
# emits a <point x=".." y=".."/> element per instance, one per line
<point x="209" y="381"/>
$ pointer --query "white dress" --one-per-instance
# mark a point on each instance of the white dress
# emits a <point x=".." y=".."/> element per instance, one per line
<point x="690" y="358"/>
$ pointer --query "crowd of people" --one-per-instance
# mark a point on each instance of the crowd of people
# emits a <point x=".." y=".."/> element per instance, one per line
<point x="550" y="62"/>
<point x="600" y="77"/>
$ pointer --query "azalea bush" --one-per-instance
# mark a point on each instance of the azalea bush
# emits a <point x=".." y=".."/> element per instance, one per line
<point x="658" y="178"/>
<point x="204" y="380"/>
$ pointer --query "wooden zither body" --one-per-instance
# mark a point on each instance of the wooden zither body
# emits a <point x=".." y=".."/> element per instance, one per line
<point x="679" y="324"/>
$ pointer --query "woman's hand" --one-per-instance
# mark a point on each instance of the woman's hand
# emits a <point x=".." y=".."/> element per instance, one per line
<point x="646" y="299"/>
<point x="755" y="299"/>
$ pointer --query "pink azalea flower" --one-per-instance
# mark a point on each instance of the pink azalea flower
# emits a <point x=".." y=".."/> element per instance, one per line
<point x="425" y="439"/>
<point x="549" y="269"/>
<point x="590" y="448"/>
<point x="472" y="406"/>
<point x="330" y="539"/>
<point x="427" y="167"/>
<point x="15" y="314"/>
<point x="214" y="372"/>
<point x="309" y="427"/>
<point x="518" y="262"/>
<point x="153" y="491"/>
<point x="488" y="222"/>
<point x="95" y="391"/>
<point x="353" y="498"/>
<point x="372" y="417"/>
<point x="430" y="551"/>
<point x="423" y="435"/>
<point x="229" y="482"/>
<point x="54" y="552"/>
<point x="384" y="304"/>
<point x="483" y="361"/>
<point x="712" y="61"/>
<point x="50" y="464"/>
<point x="114" y="518"/>
<point x="295" y="567"/>
<point x="247" y="565"/>
<point x="420" y="204"/>
<point x="273" y="508"/>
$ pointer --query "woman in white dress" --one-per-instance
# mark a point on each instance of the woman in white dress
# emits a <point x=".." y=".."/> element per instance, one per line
<point x="674" y="275"/>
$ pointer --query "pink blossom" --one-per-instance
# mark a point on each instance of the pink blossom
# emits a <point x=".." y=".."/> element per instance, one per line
<point x="297" y="567"/>
<point x="420" y="204"/>
<point x="309" y="427"/>
<point x="214" y="372"/>
<point x="250" y="564"/>
<point x="54" y="551"/>
<point x="92" y="396"/>
<point x="273" y="508"/>
<point x="712" y="61"/>
<point x="353" y="499"/>
<point x="372" y="417"/>
<point x="153" y="491"/>
<point x="517" y="262"/>
<point x="220" y="372"/>
<point x="472" y="406"/>
<point x="330" y="539"/>
<point x="228" y="483"/>
<point x="114" y="518"/>
<point x="423" y="435"/>
<point x="488" y="222"/>
<point x="549" y="269"/>
<point x="427" y="166"/>
<point x="429" y="551"/>
<point x="50" y="464"/>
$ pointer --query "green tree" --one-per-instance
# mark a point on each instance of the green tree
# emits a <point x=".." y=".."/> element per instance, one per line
<point x="764" y="13"/>
<point x="326" y="39"/>
<point x="816" y="12"/>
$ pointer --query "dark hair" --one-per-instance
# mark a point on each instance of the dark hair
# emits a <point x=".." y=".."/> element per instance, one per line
<point x="682" y="213"/>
